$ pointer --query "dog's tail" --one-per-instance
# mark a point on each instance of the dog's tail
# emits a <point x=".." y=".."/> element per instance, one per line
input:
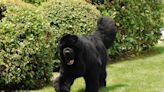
<point x="106" y="30"/>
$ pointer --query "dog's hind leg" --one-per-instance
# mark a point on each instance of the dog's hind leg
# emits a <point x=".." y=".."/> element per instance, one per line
<point x="102" y="78"/>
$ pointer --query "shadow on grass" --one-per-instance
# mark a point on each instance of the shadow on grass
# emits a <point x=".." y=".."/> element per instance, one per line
<point x="152" y="52"/>
<point x="108" y="88"/>
<point x="113" y="87"/>
<point x="159" y="49"/>
<point x="81" y="90"/>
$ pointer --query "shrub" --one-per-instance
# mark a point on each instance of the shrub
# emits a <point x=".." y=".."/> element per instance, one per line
<point x="95" y="1"/>
<point x="70" y="16"/>
<point x="35" y="1"/>
<point x="25" y="48"/>
<point x="138" y="24"/>
<point x="2" y="10"/>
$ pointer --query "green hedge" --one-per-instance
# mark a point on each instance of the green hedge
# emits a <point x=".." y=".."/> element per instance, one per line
<point x="138" y="23"/>
<point x="28" y="40"/>
<point x="35" y="1"/>
<point x="70" y="16"/>
<point x="2" y="10"/>
<point x="25" y="48"/>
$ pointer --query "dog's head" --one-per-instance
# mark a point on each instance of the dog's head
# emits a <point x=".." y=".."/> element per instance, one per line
<point x="67" y="46"/>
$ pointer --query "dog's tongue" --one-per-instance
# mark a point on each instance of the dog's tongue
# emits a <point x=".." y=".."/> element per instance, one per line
<point x="70" y="62"/>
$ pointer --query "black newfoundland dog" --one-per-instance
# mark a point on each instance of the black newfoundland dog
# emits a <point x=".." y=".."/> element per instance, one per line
<point x="85" y="56"/>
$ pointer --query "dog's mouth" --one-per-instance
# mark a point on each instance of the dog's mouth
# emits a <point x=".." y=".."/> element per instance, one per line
<point x="71" y="62"/>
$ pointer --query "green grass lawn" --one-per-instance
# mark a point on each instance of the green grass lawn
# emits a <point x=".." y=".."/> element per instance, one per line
<point x="141" y="74"/>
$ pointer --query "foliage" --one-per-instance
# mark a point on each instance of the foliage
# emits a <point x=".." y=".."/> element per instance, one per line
<point x="25" y="48"/>
<point x="138" y="23"/>
<point x="70" y="16"/>
<point x="35" y="1"/>
<point x="95" y="1"/>
<point x="2" y="10"/>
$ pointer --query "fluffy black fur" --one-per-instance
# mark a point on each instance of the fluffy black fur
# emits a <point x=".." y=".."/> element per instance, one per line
<point x="85" y="56"/>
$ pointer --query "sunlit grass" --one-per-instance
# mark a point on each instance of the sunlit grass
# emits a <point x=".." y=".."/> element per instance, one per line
<point x="142" y="74"/>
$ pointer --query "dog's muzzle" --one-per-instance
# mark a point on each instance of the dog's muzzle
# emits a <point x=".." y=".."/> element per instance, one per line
<point x="69" y="55"/>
